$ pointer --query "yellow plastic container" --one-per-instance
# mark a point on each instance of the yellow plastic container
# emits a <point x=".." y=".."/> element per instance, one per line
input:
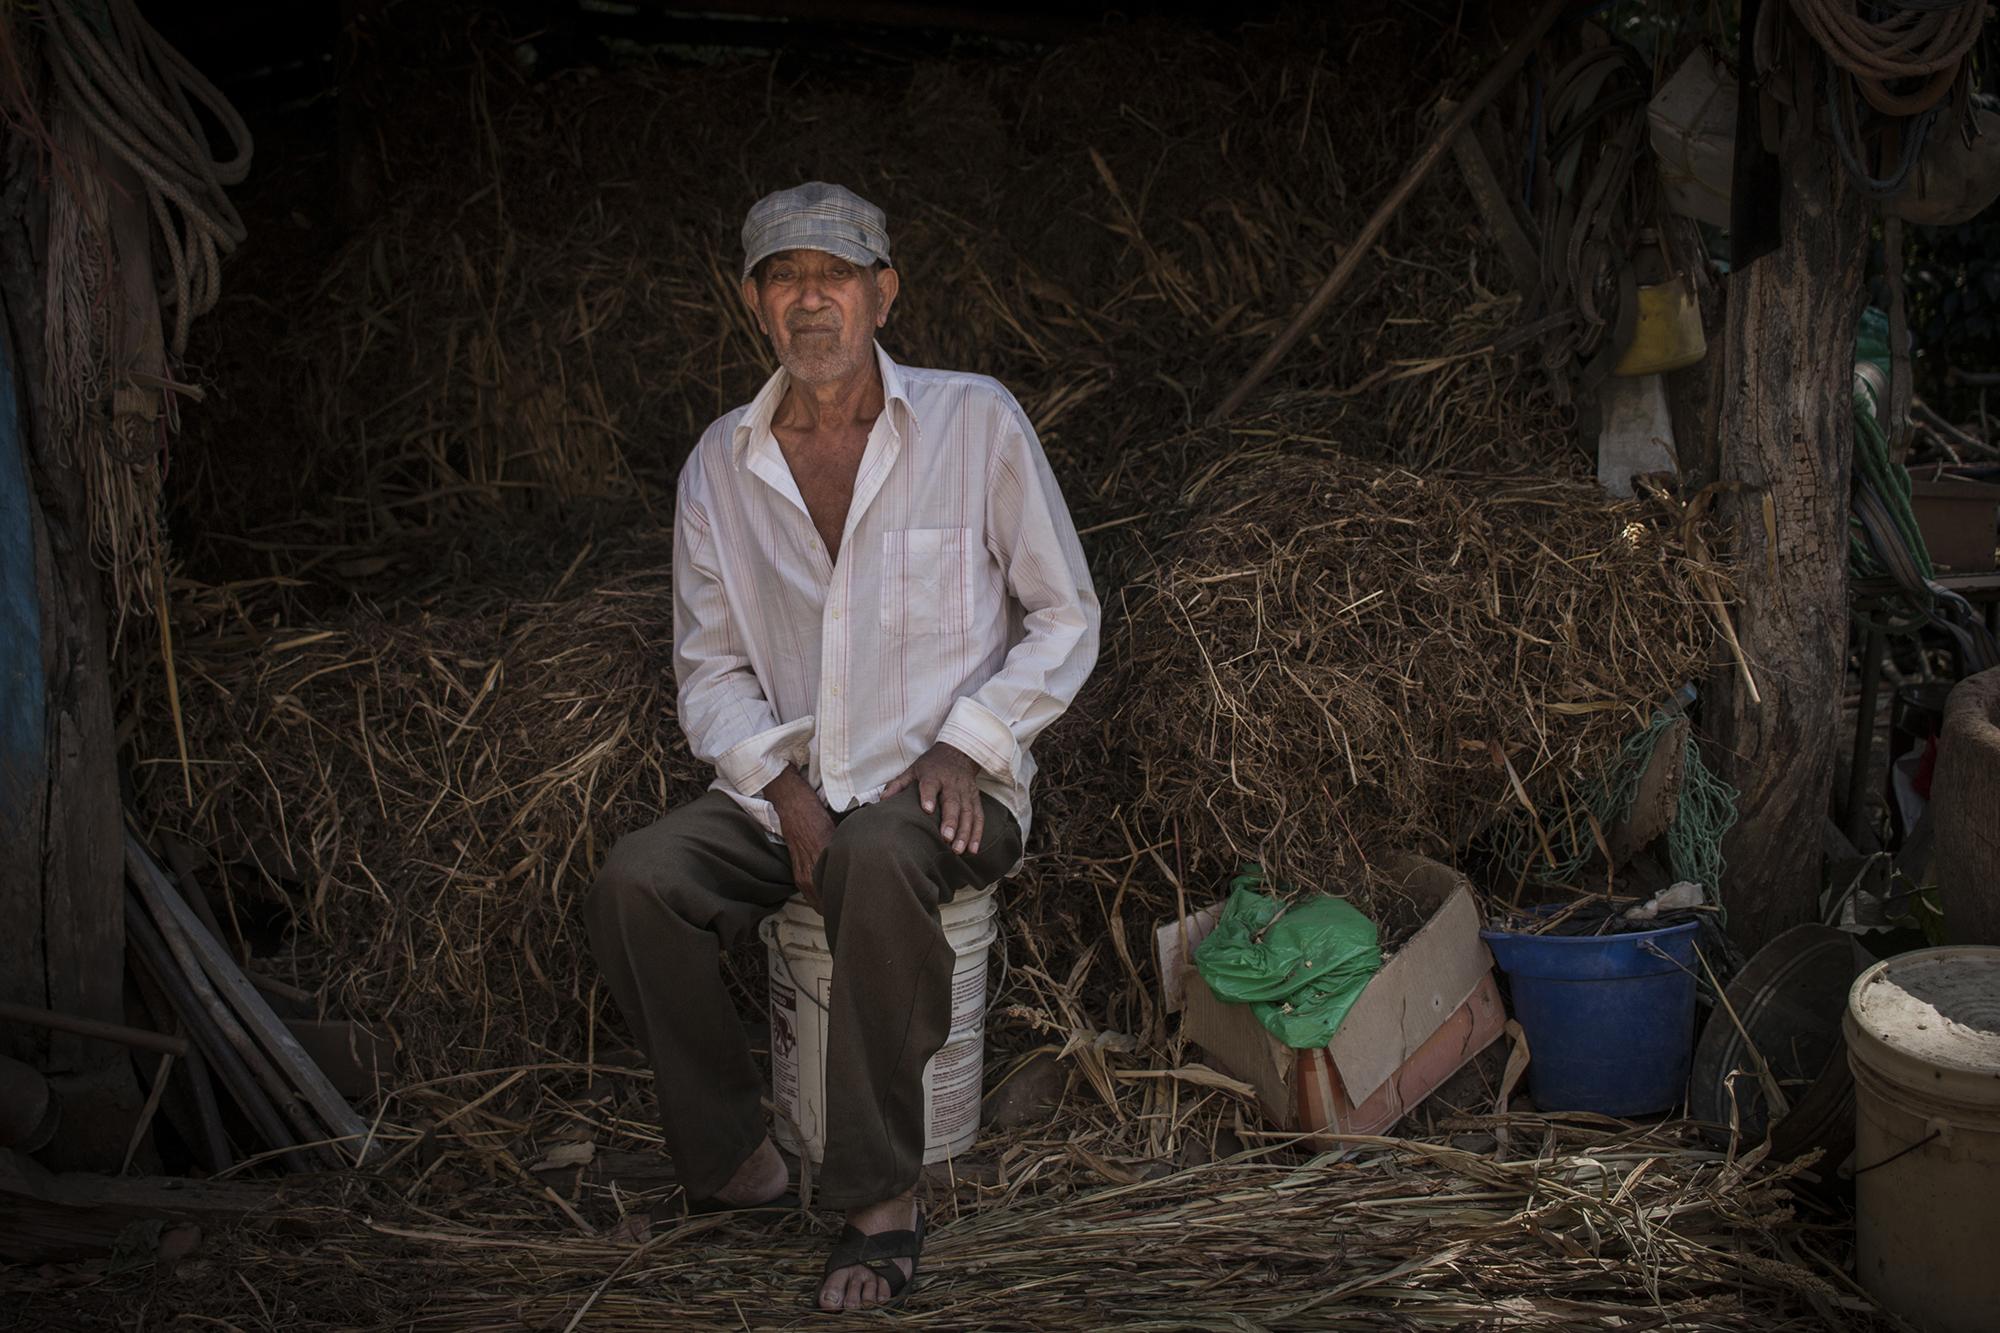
<point x="1923" y="1039"/>
<point x="1668" y="334"/>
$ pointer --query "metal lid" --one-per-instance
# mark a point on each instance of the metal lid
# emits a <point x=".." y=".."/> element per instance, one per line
<point x="1930" y="1021"/>
<point x="1787" y="1004"/>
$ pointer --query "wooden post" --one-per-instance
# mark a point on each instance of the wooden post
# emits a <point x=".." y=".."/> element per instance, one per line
<point x="1786" y="436"/>
<point x="62" y="934"/>
<point x="62" y="919"/>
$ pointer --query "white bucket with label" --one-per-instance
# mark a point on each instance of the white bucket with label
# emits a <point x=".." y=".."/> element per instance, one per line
<point x="802" y="988"/>
<point x="1923" y="1039"/>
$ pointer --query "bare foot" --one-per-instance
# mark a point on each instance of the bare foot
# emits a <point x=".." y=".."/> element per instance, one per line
<point x="760" y="1179"/>
<point x="858" y="1287"/>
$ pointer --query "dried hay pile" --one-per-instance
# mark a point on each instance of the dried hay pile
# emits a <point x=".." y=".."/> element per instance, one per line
<point x="546" y="307"/>
<point x="426" y="679"/>
<point x="1315" y="672"/>
<point x="440" y="788"/>
<point x="1577" y="1226"/>
<point x="430" y="697"/>
<point x="1329" y="663"/>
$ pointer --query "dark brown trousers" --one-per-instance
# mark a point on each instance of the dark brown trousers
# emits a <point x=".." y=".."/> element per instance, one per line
<point x="672" y="896"/>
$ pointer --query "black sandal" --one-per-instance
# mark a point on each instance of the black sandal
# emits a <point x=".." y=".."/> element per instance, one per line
<point x="876" y="1253"/>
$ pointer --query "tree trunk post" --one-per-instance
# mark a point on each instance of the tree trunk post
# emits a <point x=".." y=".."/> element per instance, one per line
<point x="62" y="916"/>
<point x="1786" y="435"/>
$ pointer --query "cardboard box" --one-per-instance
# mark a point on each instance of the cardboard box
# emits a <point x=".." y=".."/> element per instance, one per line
<point x="1432" y="1007"/>
<point x="1956" y="517"/>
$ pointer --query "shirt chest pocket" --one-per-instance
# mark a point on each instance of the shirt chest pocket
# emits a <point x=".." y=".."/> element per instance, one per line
<point x="927" y="581"/>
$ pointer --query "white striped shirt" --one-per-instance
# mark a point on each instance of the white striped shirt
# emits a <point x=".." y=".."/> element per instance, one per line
<point x="959" y="609"/>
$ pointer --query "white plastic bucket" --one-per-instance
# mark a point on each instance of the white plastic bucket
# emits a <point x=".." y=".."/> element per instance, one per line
<point x="801" y="989"/>
<point x="1923" y="1039"/>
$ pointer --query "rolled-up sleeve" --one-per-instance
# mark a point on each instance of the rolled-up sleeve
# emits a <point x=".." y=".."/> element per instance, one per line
<point x="1029" y="532"/>
<point x="728" y="721"/>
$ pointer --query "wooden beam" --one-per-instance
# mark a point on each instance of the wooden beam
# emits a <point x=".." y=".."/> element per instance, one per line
<point x="50" y="1218"/>
<point x="61" y="926"/>
<point x="1496" y="78"/>
<point x="175" y="918"/>
<point x="1496" y="208"/>
<point x="137" y="1038"/>
<point x="1786" y="430"/>
<point x="246" y="1076"/>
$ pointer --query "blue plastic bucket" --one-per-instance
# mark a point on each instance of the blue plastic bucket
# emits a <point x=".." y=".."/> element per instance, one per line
<point x="1609" y="1018"/>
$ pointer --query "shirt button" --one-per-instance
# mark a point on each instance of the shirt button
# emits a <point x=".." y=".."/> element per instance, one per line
<point x="836" y="615"/>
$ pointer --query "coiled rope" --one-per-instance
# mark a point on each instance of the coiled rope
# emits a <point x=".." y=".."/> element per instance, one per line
<point x="1904" y="58"/>
<point x="138" y="96"/>
<point x="1911" y="39"/>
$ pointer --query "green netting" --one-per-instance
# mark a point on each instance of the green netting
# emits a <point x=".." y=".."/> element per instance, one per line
<point x="1704" y="811"/>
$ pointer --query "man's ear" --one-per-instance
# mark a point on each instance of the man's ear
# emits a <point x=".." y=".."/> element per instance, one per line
<point x="887" y="284"/>
<point x="756" y="309"/>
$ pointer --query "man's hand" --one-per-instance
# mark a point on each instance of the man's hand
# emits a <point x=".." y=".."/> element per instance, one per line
<point x="943" y="777"/>
<point x="807" y="826"/>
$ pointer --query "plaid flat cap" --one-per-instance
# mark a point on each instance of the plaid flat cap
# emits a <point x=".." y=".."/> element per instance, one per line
<point x="815" y="216"/>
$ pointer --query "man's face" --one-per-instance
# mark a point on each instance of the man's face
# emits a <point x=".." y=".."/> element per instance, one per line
<point x="820" y="312"/>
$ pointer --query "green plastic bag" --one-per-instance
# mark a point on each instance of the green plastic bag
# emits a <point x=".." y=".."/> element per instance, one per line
<point x="1303" y="975"/>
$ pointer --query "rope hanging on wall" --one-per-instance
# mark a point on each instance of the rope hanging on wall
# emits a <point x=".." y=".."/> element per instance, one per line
<point x="1911" y="40"/>
<point x="128" y="125"/>
<point x="138" y="95"/>
<point x="1902" y="58"/>
<point x="1590" y="200"/>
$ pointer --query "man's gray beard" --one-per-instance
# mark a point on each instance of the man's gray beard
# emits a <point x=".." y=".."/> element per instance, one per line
<point x="820" y="367"/>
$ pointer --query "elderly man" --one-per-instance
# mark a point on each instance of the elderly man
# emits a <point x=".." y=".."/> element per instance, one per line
<point x="879" y="603"/>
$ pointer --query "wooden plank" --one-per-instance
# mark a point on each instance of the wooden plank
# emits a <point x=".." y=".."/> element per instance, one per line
<point x="1495" y="78"/>
<point x="47" y="1218"/>
<point x="1496" y="207"/>
<point x="244" y="1085"/>
<point x="190" y="1102"/>
<point x="61" y="930"/>
<point x="249" y="1005"/>
<point x="180" y="859"/>
<point x="137" y="1038"/>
